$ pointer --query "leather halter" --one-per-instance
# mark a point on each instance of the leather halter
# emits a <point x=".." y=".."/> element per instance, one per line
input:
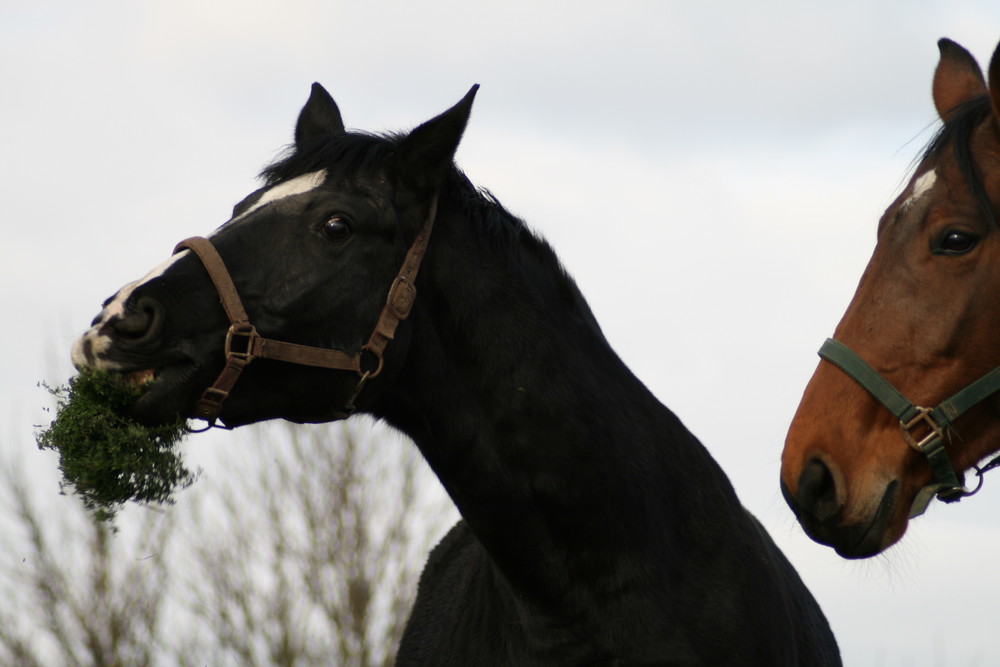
<point x="243" y="343"/>
<point x="934" y="421"/>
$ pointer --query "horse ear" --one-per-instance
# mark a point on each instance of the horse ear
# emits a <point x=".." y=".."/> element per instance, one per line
<point x="320" y="117"/>
<point x="957" y="79"/>
<point x="426" y="153"/>
<point x="995" y="82"/>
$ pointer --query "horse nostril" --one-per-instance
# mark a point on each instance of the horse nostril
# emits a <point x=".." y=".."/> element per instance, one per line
<point x="818" y="491"/>
<point x="142" y="322"/>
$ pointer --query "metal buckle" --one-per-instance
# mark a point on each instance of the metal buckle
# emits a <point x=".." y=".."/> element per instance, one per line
<point x="402" y="294"/>
<point x="923" y="416"/>
<point x="244" y="334"/>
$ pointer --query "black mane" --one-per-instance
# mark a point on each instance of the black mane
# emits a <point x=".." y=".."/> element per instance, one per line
<point x="505" y="231"/>
<point x="362" y="156"/>
<point x="957" y="132"/>
<point x="357" y="155"/>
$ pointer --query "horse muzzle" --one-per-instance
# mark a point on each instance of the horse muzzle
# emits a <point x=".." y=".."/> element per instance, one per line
<point x="116" y="338"/>
<point x="826" y="520"/>
<point x="129" y="338"/>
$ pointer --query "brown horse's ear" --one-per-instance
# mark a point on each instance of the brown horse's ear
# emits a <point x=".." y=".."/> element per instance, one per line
<point x="957" y="79"/>
<point x="994" y="74"/>
<point x="319" y="117"/>
<point x="426" y="153"/>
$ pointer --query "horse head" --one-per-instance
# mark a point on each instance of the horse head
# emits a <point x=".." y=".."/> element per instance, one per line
<point x="311" y="256"/>
<point x="922" y="325"/>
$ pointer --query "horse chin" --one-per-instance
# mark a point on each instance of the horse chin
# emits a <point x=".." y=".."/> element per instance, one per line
<point x="865" y="539"/>
<point x="167" y="394"/>
<point x="881" y="533"/>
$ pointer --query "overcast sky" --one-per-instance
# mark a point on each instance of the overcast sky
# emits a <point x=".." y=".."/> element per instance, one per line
<point x="710" y="172"/>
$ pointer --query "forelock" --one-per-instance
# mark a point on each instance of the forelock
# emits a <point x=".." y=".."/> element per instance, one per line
<point x="349" y="156"/>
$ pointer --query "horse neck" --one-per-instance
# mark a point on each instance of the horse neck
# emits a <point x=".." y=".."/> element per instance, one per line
<point x="551" y="449"/>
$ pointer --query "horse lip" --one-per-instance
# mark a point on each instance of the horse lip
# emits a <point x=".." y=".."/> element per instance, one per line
<point x="871" y="541"/>
<point x="163" y="390"/>
<point x="141" y="378"/>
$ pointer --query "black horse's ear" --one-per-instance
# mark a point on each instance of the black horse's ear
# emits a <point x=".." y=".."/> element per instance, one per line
<point x="426" y="154"/>
<point x="320" y="117"/>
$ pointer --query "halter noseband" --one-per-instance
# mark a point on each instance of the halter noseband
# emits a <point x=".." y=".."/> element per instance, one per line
<point x="243" y="343"/>
<point x="935" y="421"/>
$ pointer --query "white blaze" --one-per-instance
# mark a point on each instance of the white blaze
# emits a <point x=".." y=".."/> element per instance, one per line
<point x="117" y="305"/>
<point x="297" y="186"/>
<point x="921" y="187"/>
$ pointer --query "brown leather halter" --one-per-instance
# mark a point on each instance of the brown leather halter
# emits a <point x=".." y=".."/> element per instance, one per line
<point x="244" y="344"/>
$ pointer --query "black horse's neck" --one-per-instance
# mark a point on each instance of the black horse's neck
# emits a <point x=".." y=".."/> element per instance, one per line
<point x="561" y="461"/>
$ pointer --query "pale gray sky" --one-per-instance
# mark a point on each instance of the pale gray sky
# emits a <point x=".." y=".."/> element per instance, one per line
<point x="726" y="161"/>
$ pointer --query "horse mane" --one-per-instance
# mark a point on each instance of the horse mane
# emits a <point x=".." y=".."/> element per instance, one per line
<point x="506" y="233"/>
<point x="357" y="155"/>
<point x="363" y="156"/>
<point x="957" y="132"/>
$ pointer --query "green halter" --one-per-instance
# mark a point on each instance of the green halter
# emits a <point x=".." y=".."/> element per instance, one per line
<point x="935" y="420"/>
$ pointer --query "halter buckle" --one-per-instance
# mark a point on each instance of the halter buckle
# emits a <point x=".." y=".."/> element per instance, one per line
<point x="924" y="417"/>
<point x="240" y="341"/>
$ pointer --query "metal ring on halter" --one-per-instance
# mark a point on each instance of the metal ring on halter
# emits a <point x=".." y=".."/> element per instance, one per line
<point x="980" y="473"/>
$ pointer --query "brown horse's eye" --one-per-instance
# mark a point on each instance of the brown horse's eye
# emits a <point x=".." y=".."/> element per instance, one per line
<point x="336" y="229"/>
<point x="956" y="243"/>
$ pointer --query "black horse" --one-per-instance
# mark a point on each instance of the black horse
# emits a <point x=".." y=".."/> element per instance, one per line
<point x="596" y="529"/>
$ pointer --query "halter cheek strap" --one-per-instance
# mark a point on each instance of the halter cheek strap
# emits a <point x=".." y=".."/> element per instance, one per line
<point x="930" y="423"/>
<point x="243" y="344"/>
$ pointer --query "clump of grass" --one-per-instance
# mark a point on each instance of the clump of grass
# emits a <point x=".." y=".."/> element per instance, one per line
<point x="106" y="457"/>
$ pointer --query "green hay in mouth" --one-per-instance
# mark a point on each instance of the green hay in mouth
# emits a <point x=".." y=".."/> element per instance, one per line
<point x="105" y="456"/>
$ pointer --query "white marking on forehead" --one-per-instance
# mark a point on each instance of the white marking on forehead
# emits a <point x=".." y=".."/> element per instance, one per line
<point x="924" y="183"/>
<point x="921" y="187"/>
<point x="297" y="186"/>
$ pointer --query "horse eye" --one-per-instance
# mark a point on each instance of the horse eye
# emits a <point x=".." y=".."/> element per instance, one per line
<point x="957" y="243"/>
<point x="337" y="229"/>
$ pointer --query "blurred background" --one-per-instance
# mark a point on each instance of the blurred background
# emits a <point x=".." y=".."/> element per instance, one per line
<point x="726" y="161"/>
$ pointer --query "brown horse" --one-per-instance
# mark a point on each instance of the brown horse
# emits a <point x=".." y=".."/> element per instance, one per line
<point x="862" y="455"/>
